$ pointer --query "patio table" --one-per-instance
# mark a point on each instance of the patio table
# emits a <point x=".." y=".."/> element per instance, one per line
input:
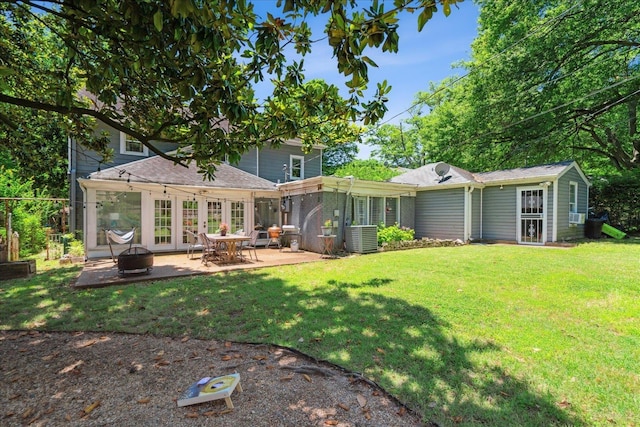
<point x="231" y="241"/>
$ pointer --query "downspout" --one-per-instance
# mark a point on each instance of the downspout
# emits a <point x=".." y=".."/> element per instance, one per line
<point x="481" y="206"/>
<point x="470" y="214"/>
<point x="352" y="179"/>
<point x="554" y="223"/>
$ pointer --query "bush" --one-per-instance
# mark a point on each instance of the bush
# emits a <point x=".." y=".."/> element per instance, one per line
<point x="620" y="197"/>
<point x="33" y="238"/>
<point x="394" y="233"/>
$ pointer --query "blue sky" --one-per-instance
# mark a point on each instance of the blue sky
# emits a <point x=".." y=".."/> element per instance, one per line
<point x="422" y="57"/>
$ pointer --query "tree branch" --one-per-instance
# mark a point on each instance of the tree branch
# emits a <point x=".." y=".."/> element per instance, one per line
<point x="96" y="114"/>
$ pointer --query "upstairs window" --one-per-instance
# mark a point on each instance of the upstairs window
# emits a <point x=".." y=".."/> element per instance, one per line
<point x="296" y="167"/>
<point x="573" y="197"/>
<point x="132" y="146"/>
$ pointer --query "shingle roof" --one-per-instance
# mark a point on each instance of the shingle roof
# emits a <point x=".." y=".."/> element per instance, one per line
<point x="162" y="171"/>
<point x="542" y="171"/>
<point x="426" y="176"/>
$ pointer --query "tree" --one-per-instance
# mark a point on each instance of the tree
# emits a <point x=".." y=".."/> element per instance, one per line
<point x="34" y="142"/>
<point x="338" y="155"/>
<point x="370" y="170"/>
<point x="552" y="80"/>
<point x="185" y="71"/>
<point x="549" y="80"/>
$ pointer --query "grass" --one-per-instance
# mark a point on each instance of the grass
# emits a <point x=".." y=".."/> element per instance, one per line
<point x="495" y="335"/>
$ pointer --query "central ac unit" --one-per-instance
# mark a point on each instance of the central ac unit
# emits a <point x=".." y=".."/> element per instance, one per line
<point x="362" y="238"/>
<point x="576" y="218"/>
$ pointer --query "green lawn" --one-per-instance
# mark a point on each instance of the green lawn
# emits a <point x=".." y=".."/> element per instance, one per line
<point x="494" y="335"/>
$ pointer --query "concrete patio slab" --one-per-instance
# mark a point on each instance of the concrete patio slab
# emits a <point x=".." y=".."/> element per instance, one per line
<point x="104" y="272"/>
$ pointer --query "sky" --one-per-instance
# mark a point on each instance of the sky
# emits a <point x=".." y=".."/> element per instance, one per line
<point x="422" y="57"/>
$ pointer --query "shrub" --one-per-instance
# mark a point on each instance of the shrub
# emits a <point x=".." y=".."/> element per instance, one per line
<point x="394" y="233"/>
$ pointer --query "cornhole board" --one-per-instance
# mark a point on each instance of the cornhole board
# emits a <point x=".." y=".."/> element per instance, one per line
<point x="207" y="389"/>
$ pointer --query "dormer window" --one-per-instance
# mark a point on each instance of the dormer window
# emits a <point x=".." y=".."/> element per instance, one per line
<point x="132" y="146"/>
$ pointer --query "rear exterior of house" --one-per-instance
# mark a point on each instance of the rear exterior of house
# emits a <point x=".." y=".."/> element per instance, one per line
<point x="536" y="205"/>
<point x="164" y="201"/>
<point x="284" y="186"/>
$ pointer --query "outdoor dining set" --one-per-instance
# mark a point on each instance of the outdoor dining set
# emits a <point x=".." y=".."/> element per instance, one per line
<point x="217" y="248"/>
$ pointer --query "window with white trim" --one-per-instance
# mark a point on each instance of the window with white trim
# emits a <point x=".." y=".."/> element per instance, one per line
<point x="237" y="216"/>
<point x="573" y="196"/>
<point x="132" y="146"/>
<point x="296" y="167"/>
<point x="359" y="210"/>
<point x="376" y="210"/>
<point x="370" y="210"/>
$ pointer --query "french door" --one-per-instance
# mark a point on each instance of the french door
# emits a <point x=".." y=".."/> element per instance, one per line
<point x="532" y="218"/>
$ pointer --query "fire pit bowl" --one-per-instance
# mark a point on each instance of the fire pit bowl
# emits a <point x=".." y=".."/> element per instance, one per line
<point x="134" y="260"/>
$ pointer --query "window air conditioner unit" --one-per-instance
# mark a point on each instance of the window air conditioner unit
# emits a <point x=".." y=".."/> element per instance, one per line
<point x="576" y="218"/>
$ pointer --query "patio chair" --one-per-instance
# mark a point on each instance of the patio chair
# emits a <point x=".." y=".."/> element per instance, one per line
<point x="193" y="243"/>
<point x="209" y="250"/>
<point x="252" y="244"/>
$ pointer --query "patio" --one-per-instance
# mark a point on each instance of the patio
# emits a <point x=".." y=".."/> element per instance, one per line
<point x="103" y="272"/>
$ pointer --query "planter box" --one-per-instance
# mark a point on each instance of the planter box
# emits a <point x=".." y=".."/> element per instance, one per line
<point x="17" y="269"/>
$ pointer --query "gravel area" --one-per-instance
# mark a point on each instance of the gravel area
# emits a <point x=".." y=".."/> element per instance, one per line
<point x="96" y="379"/>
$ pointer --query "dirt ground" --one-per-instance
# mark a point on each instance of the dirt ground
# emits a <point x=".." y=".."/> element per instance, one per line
<point x="97" y="379"/>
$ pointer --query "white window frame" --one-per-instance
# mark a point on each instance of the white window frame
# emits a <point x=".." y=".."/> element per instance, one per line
<point x="123" y="146"/>
<point x="292" y="158"/>
<point x="362" y="209"/>
<point x="573" y="204"/>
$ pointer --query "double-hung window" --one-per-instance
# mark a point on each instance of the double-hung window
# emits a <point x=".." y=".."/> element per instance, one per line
<point x="296" y="167"/>
<point x="132" y="146"/>
<point x="573" y="197"/>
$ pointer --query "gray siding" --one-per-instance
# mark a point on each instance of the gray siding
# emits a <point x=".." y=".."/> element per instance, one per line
<point x="272" y="160"/>
<point x="476" y="209"/>
<point x="248" y="162"/>
<point x="85" y="161"/>
<point x="564" y="230"/>
<point x="499" y="213"/>
<point x="440" y="214"/>
<point x="550" y="213"/>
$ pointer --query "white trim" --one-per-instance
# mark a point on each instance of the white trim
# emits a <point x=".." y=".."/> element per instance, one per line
<point x="544" y="218"/>
<point x="554" y="221"/>
<point x="293" y="157"/>
<point x="123" y="147"/>
<point x="576" y="198"/>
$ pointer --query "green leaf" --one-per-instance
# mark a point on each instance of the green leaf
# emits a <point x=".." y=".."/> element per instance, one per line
<point x="447" y="9"/>
<point x="157" y="20"/>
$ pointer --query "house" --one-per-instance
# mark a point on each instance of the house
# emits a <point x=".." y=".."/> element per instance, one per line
<point x="162" y="200"/>
<point x="531" y="205"/>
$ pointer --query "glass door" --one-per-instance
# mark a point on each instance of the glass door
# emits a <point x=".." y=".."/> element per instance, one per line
<point x="163" y="232"/>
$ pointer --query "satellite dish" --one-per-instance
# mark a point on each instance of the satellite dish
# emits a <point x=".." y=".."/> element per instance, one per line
<point x="441" y="169"/>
